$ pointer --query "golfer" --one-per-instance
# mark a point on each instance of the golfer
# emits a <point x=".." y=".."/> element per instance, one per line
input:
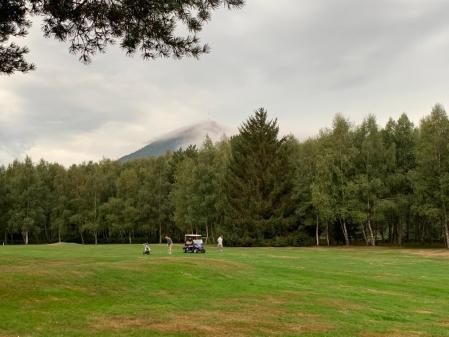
<point x="146" y="249"/>
<point x="220" y="243"/>
<point x="169" y="244"/>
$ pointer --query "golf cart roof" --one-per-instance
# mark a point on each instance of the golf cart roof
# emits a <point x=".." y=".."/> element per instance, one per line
<point x="194" y="235"/>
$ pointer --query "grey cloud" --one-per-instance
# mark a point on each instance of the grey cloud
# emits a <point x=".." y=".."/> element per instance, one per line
<point x="303" y="60"/>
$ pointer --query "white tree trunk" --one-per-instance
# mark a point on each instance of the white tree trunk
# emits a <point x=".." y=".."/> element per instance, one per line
<point x="317" y="231"/>
<point x="364" y="234"/>
<point x="446" y="228"/>
<point x="345" y="232"/>
<point x="371" y="235"/>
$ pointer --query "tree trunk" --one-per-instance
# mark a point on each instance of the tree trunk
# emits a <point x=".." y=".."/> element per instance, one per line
<point x="327" y="233"/>
<point x="317" y="231"/>
<point x="212" y="233"/>
<point x="345" y="231"/>
<point x="59" y="235"/>
<point x="407" y="229"/>
<point x="82" y="238"/>
<point x="400" y="233"/>
<point x="160" y="232"/>
<point x="392" y="230"/>
<point x="26" y="237"/>
<point x="370" y="231"/>
<point x="446" y="228"/>
<point x="129" y="237"/>
<point x="364" y="234"/>
<point x="207" y="233"/>
<point x="6" y="238"/>
<point x="96" y="239"/>
<point x="46" y="231"/>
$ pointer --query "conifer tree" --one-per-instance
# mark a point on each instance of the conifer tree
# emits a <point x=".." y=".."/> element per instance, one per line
<point x="259" y="180"/>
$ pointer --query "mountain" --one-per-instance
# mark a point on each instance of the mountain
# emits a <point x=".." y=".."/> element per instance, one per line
<point x="193" y="134"/>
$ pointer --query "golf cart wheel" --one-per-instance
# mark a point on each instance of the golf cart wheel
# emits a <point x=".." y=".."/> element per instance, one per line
<point x="203" y="251"/>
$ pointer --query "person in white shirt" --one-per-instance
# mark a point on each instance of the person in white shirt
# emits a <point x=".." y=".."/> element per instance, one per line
<point x="220" y="243"/>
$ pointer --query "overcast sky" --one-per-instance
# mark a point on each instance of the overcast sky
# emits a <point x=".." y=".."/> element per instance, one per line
<point x="302" y="60"/>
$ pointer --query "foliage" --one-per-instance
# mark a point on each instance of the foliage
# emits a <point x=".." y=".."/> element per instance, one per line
<point x="150" y="27"/>
<point x="350" y="184"/>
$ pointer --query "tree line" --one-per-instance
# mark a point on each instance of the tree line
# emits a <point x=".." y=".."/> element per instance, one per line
<point x="351" y="184"/>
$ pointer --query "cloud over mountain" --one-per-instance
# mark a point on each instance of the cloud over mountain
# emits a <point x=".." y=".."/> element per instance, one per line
<point x="181" y="138"/>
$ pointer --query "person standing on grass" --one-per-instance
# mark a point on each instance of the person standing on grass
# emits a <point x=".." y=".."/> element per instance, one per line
<point x="220" y="243"/>
<point x="146" y="249"/>
<point x="169" y="244"/>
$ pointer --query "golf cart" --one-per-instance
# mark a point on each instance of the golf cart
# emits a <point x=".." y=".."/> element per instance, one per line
<point x="193" y="243"/>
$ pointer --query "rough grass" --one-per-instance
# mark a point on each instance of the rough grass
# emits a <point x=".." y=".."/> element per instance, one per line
<point x="112" y="290"/>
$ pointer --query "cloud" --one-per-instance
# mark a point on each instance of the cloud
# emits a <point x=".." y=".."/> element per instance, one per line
<point x="302" y="60"/>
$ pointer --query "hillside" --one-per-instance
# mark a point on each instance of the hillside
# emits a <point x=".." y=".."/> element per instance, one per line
<point x="180" y="138"/>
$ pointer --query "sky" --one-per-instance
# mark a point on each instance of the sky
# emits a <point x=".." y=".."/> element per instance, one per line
<point x="304" y="61"/>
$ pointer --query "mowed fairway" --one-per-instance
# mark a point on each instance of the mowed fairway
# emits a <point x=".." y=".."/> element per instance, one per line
<point x="112" y="290"/>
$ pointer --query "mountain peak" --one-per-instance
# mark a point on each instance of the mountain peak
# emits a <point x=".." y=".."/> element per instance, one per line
<point x="180" y="138"/>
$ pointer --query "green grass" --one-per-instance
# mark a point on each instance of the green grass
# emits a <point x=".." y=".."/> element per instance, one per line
<point x="112" y="290"/>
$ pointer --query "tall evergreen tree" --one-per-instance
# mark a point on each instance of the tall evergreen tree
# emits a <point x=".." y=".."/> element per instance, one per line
<point x="259" y="180"/>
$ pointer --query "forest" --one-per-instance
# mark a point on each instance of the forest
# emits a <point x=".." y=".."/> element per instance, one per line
<point x="351" y="184"/>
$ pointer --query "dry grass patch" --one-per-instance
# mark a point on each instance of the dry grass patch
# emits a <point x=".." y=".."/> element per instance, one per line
<point x="430" y="252"/>
<point x="3" y="334"/>
<point x="197" y="262"/>
<point x="394" y="333"/>
<point x="285" y="257"/>
<point x="385" y="292"/>
<point x="235" y="317"/>
<point x="340" y="304"/>
<point x="44" y="268"/>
